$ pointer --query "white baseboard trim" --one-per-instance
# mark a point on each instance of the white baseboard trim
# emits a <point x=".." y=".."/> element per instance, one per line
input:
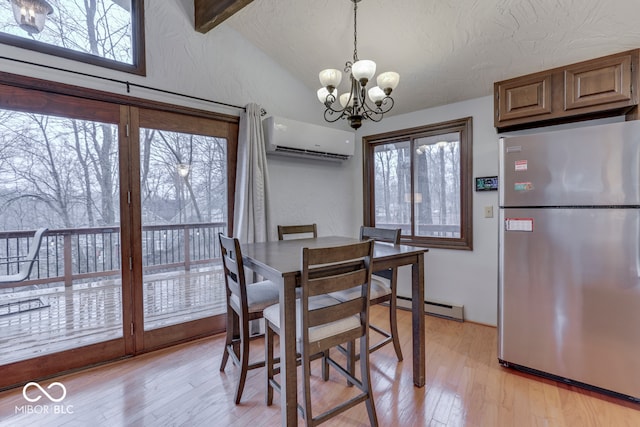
<point x="434" y="308"/>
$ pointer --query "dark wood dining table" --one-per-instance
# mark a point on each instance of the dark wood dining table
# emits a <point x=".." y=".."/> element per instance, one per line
<point x="280" y="262"/>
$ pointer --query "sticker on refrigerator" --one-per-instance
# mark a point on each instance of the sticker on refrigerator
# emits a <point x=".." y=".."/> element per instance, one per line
<point x="518" y="224"/>
<point x="523" y="186"/>
<point x="521" y="165"/>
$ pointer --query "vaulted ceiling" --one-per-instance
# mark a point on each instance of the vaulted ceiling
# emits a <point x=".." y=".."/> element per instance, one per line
<point x="445" y="50"/>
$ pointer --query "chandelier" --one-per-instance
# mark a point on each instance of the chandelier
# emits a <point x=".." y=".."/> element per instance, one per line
<point x="356" y="107"/>
<point x="31" y="15"/>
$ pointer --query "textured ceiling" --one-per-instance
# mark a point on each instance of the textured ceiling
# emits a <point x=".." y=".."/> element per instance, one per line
<point x="444" y="50"/>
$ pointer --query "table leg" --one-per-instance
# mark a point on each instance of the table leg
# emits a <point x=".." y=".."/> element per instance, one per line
<point x="288" y="374"/>
<point x="417" y="292"/>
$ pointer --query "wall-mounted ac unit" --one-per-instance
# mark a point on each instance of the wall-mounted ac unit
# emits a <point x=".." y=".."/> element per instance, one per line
<point x="293" y="138"/>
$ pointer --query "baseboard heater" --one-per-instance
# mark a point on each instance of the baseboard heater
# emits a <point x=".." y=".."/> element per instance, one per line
<point x="439" y="309"/>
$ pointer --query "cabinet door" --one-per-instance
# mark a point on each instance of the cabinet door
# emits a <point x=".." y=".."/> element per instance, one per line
<point x="598" y="82"/>
<point x="524" y="97"/>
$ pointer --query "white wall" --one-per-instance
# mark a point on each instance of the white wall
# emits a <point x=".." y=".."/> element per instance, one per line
<point x="221" y="65"/>
<point x="330" y="194"/>
<point x="308" y="191"/>
<point x="468" y="278"/>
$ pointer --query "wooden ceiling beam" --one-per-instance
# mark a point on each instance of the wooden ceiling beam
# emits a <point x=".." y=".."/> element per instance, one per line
<point x="209" y="13"/>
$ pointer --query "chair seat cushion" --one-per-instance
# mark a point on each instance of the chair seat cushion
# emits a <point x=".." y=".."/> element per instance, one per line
<point x="379" y="287"/>
<point x="317" y="333"/>
<point x="259" y="295"/>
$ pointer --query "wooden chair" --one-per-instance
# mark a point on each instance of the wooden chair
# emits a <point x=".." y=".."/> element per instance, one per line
<point x="323" y="322"/>
<point x="286" y="230"/>
<point x="244" y="303"/>
<point x="383" y="289"/>
<point x="25" y="263"/>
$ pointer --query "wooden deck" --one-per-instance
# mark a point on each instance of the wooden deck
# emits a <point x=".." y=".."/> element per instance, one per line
<point x="38" y="320"/>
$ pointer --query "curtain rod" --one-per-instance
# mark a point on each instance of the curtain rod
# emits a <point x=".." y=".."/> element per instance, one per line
<point x="127" y="83"/>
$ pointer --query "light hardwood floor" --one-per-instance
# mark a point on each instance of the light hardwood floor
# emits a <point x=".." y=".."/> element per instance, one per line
<point x="182" y="386"/>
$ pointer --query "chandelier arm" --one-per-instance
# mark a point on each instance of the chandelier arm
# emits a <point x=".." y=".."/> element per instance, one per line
<point x="385" y="100"/>
<point x="373" y="119"/>
<point x="372" y="115"/>
<point x="328" y="114"/>
<point x="337" y="111"/>
<point x="330" y="99"/>
<point x="385" y="106"/>
<point x="375" y="109"/>
<point x="376" y="114"/>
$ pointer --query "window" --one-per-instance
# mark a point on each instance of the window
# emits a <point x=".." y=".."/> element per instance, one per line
<point x="108" y="33"/>
<point x="419" y="180"/>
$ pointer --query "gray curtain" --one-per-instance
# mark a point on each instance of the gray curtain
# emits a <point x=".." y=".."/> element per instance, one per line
<point x="251" y="212"/>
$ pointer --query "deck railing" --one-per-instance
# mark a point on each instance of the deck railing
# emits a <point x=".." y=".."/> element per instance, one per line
<point x="426" y="230"/>
<point x="71" y="254"/>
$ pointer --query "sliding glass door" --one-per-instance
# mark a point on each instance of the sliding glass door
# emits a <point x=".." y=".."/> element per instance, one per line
<point x="59" y="170"/>
<point x="184" y="206"/>
<point x="132" y="201"/>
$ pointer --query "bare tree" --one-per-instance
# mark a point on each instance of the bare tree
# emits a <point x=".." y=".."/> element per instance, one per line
<point x="209" y="176"/>
<point x="145" y="184"/>
<point x="182" y="154"/>
<point x="104" y="167"/>
<point x="81" y="149"/>
<point x="383" y="170"/>
<point x="443" y="184"/>
<point x="8" y="143"/>
<point x="46" y="172"/>
<point x="98" y="27"/>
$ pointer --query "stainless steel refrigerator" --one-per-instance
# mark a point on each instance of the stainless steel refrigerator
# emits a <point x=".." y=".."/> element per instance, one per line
<point x="569" y="263"/>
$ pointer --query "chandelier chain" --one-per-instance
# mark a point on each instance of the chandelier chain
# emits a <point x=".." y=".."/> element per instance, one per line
<point x="355" y="31"/>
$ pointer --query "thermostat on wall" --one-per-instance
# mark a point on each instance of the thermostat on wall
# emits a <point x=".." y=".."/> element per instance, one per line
<point x="486" y="183"/>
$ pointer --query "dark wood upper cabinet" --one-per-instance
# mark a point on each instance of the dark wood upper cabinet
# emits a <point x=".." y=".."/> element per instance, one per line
<point x="600" y="87"/>
<point x="598" y="82"/>
<point x="525" y="97"/>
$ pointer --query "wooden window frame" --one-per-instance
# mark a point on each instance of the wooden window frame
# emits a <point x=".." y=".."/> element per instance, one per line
<point x="464" y="127"/>
<point x="137" y="37"/>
